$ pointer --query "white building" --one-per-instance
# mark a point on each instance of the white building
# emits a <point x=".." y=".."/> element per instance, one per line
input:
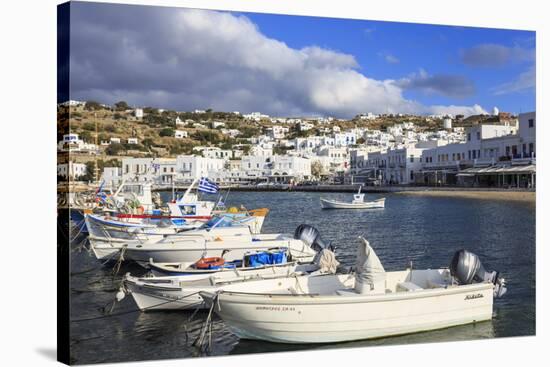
<point x="71" y="170"/>
<point x="132" y="141"/>
<point x="344" y="139"/>
<point x="138" y="113"/>
<point x="255" y="116"/>
<point x="277" y="132"/>
<point x="214" y="152"/>
<point x="72" y="143"/>
<point x="190" y="167"/>
<point x="275" y="168"/>
<point x="180" y="134"/>
<point x="179" y="121"/>
<point x="216" y="124"/>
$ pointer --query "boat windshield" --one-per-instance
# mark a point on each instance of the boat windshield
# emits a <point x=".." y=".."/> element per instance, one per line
<point x="219" y="222"/>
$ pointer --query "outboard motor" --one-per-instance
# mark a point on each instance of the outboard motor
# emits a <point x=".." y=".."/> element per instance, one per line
<point x="312" y="237"/>
<point x="466" y="268"/>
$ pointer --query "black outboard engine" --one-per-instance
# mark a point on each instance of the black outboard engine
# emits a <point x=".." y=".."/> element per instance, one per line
<point x="312" y="237"/>
<point x="466" y="268"/>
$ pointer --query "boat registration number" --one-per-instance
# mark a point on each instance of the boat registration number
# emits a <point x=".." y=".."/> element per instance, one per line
<point x="275" y="308"/>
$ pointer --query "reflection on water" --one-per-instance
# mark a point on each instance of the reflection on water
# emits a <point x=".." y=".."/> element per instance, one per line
<point x="423" y="230"/>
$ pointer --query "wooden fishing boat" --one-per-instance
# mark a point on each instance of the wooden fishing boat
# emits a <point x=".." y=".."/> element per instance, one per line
<point x="358" y="202"/>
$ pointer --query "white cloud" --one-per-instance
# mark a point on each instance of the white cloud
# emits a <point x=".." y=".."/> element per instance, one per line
<point x="186" y="59"/>
<point x="524" y="81"/>
<point x="391" y="59"/>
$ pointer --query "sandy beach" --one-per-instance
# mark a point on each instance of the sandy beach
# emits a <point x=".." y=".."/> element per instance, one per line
<point x="522" y="196"/>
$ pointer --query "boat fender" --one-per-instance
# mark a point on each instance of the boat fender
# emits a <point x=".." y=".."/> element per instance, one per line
<point x="120" y="295"/>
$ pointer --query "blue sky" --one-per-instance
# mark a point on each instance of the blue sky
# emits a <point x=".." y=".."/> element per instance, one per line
<point x="187" y="59"/>
<point x="391" y="50"/>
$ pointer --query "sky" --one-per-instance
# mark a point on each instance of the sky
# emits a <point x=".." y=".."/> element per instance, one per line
<point x="282" y="65"/>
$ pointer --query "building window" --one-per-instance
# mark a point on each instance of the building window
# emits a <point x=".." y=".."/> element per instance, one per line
<point x="478" y="135"/>
<point x="531" y="123"/>
<point x="412" y="175"/>
<point x="469" y="136"/>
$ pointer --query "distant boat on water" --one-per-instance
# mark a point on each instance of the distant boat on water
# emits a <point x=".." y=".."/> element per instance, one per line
<point x="358" y="202"/>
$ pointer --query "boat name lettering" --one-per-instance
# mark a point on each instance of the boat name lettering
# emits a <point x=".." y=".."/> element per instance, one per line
<point x="473" y="296"/>
<point x="275" y="308"/>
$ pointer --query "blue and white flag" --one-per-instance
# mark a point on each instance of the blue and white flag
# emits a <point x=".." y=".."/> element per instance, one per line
<point x="205" y="185"/>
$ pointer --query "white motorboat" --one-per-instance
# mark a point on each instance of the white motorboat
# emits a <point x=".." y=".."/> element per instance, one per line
<point x="371" y="303"/>
<point x="358" y="202"/>
<point x="231" y="242"/>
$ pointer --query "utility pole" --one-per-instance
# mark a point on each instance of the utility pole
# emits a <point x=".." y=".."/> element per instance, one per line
<point x="96" y="169"/>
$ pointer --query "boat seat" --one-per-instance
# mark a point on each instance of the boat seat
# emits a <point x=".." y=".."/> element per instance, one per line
<point x="433" y="284"/>
<point x="346" y="292"/>
<point x="408" y="287"/>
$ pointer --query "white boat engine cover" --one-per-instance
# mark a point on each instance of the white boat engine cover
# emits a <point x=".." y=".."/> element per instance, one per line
<point x="311" y="236"/>
<point x="466" y="268"/>
<point x="370" y="275"/>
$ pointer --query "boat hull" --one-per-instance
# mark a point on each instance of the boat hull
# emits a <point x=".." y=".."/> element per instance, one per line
<point x="183" y="292"/>
<point x="190" y="248"/>
<point x="329" y="319"/>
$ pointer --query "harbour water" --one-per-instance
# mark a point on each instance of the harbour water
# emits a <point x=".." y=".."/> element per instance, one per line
<point x="423" y="230"/>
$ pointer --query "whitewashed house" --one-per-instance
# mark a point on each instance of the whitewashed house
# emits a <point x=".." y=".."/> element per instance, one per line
<point x="190" y="167"/>
<point x="180" y="134"/>
<point x="71" y="170"/>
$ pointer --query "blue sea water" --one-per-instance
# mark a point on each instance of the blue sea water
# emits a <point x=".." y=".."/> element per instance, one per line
<point x="419" y="229"/>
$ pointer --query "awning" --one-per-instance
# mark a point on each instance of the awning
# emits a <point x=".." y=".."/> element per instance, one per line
<point x="498" y="170"/>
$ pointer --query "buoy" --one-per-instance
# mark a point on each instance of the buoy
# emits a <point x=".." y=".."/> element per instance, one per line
<point x="120" y="295"/>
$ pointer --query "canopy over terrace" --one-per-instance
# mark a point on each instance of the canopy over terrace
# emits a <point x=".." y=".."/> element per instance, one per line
<point x="500" y="175"/>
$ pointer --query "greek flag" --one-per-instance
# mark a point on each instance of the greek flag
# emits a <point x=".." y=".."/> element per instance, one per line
<point x="205" y="185"/>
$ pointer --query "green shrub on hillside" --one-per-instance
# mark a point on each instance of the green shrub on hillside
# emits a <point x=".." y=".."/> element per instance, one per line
<point x="167" y="132"/>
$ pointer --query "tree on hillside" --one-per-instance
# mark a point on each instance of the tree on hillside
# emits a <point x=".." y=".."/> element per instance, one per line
<point x="90" y="126"/>
<point x="207" y="136"/>
<point x="166" y="132"/>
<point x="114" y="149"/>
<point x="122" y="106"/>
<point x="92" y="106"/>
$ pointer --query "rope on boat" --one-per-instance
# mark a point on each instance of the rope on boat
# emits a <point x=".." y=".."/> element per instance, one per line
<point x="204" y="344"/>
<point x="118" y="264"/>
<point x="81" y="227"/>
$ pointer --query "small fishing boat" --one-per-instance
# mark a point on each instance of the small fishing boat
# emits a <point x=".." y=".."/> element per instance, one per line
<point x="146" y="227"/>
<point x="358" y="202"/>
<point x="183" y="292"/>
<point x="370" y="303"/>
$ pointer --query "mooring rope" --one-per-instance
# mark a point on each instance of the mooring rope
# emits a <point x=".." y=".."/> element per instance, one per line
<point x="137" y="310"/>
<point x="207" y="327"/>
